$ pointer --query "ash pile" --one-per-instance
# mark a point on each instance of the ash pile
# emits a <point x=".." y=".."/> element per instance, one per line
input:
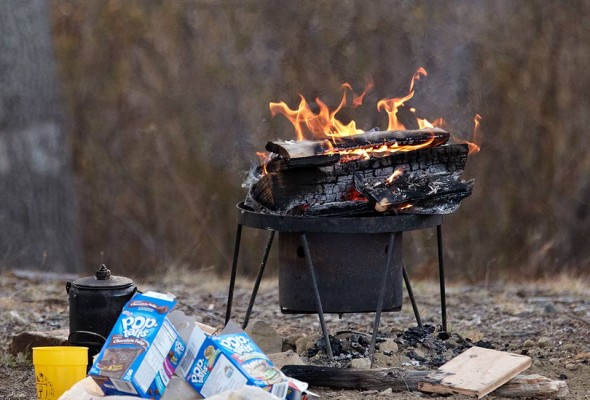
<point x="421" y="348"/>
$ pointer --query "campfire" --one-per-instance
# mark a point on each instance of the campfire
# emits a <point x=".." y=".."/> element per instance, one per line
<point x="337" y="169"/>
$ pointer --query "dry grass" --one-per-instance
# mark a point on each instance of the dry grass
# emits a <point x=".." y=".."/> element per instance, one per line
<point x="576" y="285"/>
<point x="208" y="281"/>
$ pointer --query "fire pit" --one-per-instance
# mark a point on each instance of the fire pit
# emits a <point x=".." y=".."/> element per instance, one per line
<point x="307" y="282"/>
<point x="341" y="199"/>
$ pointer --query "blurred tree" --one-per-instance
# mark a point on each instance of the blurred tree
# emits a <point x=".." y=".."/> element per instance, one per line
<point x="168" y="102"/>
<point x="38" y="216"/>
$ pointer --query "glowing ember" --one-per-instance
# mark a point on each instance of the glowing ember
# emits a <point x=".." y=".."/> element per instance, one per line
<point x="393" y="177"/>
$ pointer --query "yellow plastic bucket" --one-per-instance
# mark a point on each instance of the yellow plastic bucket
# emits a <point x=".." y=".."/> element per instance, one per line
<point x="57" y="368"/>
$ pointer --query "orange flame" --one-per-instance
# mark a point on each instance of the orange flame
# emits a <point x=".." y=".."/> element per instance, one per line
<point x="264" y="158"/>
<point x="325" y="124"/>
<point x="476" y="138"/>
<point x="358" y="100"/>
<point x="473" y="146"/>
<point x="391" y="105"/>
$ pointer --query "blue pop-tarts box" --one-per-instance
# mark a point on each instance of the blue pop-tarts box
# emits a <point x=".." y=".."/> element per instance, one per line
<point x="142" y="351"/>
<point x="229" y="361"/>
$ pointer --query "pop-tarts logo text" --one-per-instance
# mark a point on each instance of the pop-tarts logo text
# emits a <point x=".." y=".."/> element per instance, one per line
<point x="237" y="344"/>
<point x="199" y="372"/>
<point x="138" y="326"/>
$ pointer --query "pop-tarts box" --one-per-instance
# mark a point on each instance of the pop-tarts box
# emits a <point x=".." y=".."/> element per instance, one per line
<point x="228" y="361"/>
<point x="142" y="350"/>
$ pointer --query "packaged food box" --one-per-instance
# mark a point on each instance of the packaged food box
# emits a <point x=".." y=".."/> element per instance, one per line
<point x="228" y="361"/>
<point x="142" y="350"/>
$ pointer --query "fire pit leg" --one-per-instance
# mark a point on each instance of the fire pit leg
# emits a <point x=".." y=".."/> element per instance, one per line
<point x="232" y="279"/>
<point x="316" y="291"/>
<point x="411" y="295"/>
<point x="441" y="273"/>
<point x="382" y="295"/>
<point x="258" y="279"/>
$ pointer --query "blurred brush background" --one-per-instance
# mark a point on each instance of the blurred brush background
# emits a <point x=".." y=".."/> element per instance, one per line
<point x="163" y="106"/>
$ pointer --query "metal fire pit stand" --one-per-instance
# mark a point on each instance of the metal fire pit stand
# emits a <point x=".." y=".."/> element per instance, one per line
<point x="360" y="225"/>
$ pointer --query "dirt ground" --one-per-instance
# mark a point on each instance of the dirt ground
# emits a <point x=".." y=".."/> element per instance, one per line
<point x="549" y="321"/>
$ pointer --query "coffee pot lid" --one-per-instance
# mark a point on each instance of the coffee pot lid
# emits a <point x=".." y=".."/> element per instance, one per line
<point x="103" y="280"/>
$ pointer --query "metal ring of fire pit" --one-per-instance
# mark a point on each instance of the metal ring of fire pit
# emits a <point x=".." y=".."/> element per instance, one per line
<point x="374" y="224"/>
<point x="363" y="225"/>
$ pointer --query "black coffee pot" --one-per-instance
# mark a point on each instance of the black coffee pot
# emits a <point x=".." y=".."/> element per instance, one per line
<point x="95" y="304"/>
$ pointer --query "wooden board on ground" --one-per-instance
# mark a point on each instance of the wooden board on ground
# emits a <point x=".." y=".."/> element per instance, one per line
<point x="476" y="372"/>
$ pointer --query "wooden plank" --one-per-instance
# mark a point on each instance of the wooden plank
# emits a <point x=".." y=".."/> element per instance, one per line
<point x="533" y="386"/>
<point x="476" y="372"/>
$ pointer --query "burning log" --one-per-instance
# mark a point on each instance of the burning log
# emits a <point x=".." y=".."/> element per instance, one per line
<point x="431" y="174"/>
<point x="280" y="164"/>
<point x="310" y="148"/>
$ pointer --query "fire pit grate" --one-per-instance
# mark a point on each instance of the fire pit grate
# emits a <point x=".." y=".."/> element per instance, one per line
<point x="302" y="272"/>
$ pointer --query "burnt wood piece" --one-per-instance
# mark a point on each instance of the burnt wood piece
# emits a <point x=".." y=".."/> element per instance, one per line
<point x="308" y="148"/>
<point x="303" y="191"/>
<point x="442" y="204"/>
<point x="401" y="380"/>
<point x="416" y="188"/>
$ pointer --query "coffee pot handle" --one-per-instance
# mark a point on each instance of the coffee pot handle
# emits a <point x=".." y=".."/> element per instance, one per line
<point x="93" y="339"/>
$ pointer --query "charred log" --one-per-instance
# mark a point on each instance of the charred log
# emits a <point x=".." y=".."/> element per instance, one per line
<point x="402" y="380"/>
<point x="280" y="164"/>
<point x="397" y="379"/>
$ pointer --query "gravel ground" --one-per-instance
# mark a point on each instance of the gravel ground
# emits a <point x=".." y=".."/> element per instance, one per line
<point x="549" y="321"/>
